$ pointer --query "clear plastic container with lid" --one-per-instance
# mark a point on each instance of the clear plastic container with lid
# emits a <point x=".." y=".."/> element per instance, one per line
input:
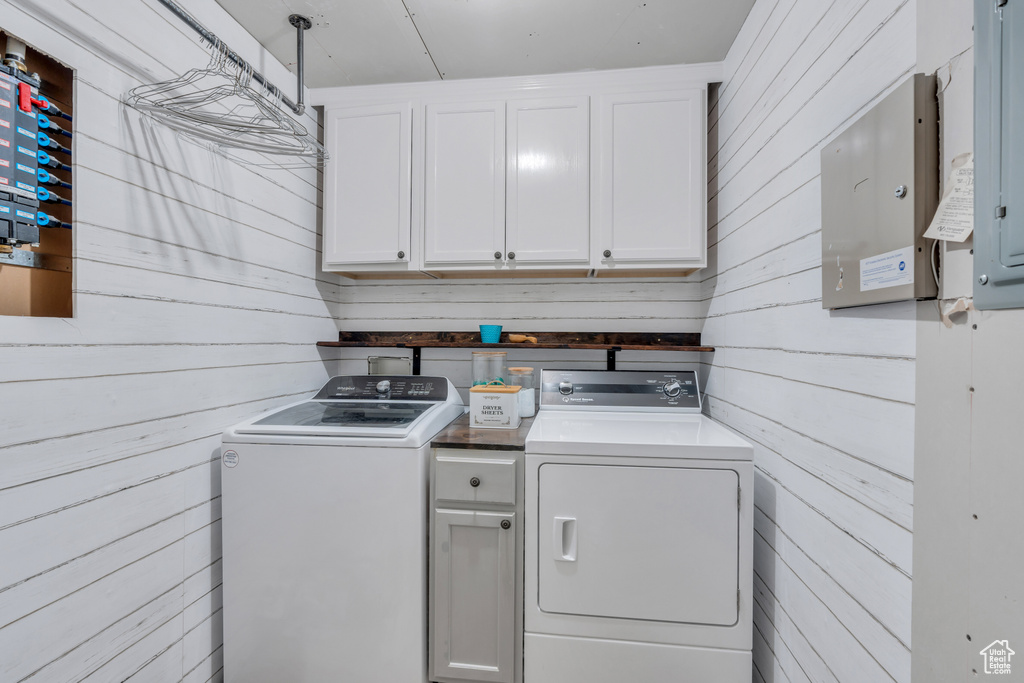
<point x="489" y="367"/>
<point x="523" y="377"/>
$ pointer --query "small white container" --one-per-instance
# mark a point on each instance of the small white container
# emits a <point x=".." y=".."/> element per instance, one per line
<point x="523" y="377"/>
<point x="494" y="407"/>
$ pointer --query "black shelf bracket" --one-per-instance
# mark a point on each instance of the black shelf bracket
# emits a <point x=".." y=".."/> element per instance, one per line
<point x="416" y="355"/>
<point x="611" y="357"/>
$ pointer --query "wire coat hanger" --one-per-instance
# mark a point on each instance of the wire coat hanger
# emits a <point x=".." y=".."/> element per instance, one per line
<point x="218" y="104"/>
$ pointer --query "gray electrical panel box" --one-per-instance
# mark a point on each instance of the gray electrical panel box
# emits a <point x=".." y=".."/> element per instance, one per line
<point x="999" y="154"/>
<point x="879" y="191"/>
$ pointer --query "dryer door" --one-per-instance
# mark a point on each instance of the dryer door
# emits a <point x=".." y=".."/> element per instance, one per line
<point x="646" y="543"/>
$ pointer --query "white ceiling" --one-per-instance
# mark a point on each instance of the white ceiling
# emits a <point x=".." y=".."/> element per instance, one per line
<point x="357" y="42"/>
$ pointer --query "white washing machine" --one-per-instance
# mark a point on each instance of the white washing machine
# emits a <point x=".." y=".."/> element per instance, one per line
<point x="639" y="534"/>
<point x="325" y="533"/>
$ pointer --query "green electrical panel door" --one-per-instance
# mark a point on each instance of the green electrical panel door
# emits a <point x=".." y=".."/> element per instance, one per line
<point x="999" y="154"/>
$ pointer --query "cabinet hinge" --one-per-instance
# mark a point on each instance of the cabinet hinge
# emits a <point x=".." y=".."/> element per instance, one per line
<point x="1000" y="212"/>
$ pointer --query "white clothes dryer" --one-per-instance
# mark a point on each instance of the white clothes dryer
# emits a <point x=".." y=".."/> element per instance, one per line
<point x="639" y="534"/>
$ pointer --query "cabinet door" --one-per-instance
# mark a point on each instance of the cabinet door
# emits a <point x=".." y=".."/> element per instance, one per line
<point x="464" y="203"/>
<point x="548" y="205"/>
<point x="474" y="595"/>
<point x="650" y="200"/>
<point x="368" y="186"/>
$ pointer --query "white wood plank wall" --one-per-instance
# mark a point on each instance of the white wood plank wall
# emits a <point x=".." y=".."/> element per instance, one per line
<point x="644" y="305"/>
<point x="197" y="302"/>
<point x="826" y="398"/>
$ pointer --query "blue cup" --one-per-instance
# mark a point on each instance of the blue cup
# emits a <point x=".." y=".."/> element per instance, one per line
<point x="490" y="334"/>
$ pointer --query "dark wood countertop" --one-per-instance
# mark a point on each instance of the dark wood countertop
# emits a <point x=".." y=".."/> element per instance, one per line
<point x="460" y="435"/>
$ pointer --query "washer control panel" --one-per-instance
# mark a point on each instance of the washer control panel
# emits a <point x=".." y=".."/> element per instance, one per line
<point x="391" y="387"/>
<point x="616" y="390"/>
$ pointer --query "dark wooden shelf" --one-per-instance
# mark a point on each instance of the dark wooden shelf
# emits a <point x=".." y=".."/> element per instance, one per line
<point x="612" y="342"/>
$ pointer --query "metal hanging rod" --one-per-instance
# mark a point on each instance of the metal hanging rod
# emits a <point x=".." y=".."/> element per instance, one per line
<point x="300" y="23"/>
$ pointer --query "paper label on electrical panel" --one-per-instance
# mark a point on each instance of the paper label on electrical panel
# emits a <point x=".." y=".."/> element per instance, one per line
<point x="5" y="209"/>
<point x="954" y="219"/>
<point x="229" y="458"/>
<point x="5" y="163"/>
<point x="5" y="124"/>
<point x="893" y="269"/>
<point x="5" y="85"/>
<point x="5" y="103"/>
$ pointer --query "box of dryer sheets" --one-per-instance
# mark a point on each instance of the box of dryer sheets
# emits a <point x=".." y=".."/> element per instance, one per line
<point x="494" y="406"/>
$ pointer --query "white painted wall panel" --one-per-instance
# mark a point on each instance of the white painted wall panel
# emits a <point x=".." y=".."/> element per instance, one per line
<point x="524" y="306"/>
<point x="198" y="300"/>
<point x="826" y="397"/>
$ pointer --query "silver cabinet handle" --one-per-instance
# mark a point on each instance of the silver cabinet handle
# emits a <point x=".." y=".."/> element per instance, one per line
<point x="607" y="253"/>
<point x="497" y="254"/>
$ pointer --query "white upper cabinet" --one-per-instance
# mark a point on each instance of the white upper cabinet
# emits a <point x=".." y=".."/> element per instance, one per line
<point x="568" y="174"/>
<point x="464" y="201"/>
<point x="368" y="187"/>
<point x="507" y="184"/>
<point x="548" y="196"/>
<point x="650" y="198"/>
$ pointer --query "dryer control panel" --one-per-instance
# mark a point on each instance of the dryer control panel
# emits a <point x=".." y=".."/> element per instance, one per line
<point x="608" y="389"/>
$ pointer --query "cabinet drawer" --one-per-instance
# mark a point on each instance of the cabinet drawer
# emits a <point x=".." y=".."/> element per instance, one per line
<point x="495" y="480"/>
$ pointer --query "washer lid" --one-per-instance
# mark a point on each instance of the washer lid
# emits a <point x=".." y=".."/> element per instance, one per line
<point x="395" y="410"/>
<point x="384" y="419"/>
<point x="373" y="415"/>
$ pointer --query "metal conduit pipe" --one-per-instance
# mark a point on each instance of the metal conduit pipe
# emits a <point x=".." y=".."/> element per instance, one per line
<point x="299" y="22"/>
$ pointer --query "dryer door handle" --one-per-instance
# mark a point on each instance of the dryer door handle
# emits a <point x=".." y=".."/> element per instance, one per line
<point x="565" y="539"/>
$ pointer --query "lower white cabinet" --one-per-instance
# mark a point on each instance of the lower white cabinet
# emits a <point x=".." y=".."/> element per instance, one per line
<point x="476" y="567"/>
<point x="474" y="616"/>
